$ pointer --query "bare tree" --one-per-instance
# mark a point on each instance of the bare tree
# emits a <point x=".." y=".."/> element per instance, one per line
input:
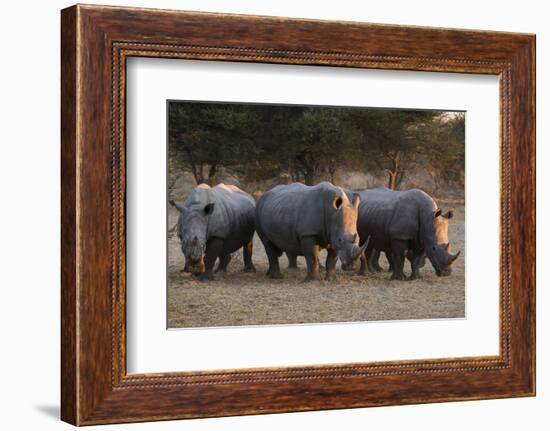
<point x="395" y="173"/>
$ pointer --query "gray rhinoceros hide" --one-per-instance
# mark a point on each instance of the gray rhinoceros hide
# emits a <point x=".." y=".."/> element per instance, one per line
<point x="299" y="219"/>
<point x="222" y="215"/>
<point x="411" y="219"/>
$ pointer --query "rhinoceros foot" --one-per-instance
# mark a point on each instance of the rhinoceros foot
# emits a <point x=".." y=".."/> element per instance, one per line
<point x="274" y="275"/>
<point x="330" y="276"/>
<point x="204" y="276"/>
<point x="400" y="277"/>
<point x="250" y="268"/>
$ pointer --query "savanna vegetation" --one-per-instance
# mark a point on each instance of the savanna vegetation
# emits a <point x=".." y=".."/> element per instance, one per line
<point x="255" y="143"/>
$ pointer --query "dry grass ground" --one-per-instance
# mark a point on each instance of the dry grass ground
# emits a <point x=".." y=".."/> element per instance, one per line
<point x="238" y="298"/>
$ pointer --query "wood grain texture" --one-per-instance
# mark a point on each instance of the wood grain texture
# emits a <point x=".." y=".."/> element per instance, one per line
<point x="69" y="366"/>
<point x="96" y="41"/>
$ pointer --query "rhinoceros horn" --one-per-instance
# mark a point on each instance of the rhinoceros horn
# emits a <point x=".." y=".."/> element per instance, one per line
<point x="179" y="207"/>
<point x="453" y="258"/>
<point x="360" y="250"/>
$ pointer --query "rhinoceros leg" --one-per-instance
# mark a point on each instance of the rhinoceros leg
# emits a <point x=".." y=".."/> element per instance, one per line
<point x="389" y="259"/>
<point x="213" y="249"/>
<point x="186" y="266"/>
<point x="292" y="260"/>
<point x="416" y="263"/>
<point x="369" y="257"/>
<point x="273" y="254"/>
<point x="398" y="248"/>
<point x="330" y="264"/>
<point x="410" y="255"/>
<point x="310" y="248"/>
<point x="372" y="260"/>
<point x="223" y="262"/>
<point x="422" y="260"/>
<point x="247" y="257"/>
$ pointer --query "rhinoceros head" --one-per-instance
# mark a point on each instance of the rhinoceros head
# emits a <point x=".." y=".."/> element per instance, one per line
<point x="192" y="229"/>
<point x="343" y="229"/>
<point x="439" y="251"/>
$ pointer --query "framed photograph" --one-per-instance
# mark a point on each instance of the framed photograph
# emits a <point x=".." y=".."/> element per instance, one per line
<point x="265" y="214"/>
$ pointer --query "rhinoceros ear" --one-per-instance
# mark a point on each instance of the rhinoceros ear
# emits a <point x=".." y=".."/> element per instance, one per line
<point x="437" y="212"/>
<point x="208" y="209"/>
<point x="337" y="202"/>
<point x="449" y="214"/>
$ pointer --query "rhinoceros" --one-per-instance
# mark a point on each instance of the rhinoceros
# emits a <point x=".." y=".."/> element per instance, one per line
<point x="405" y="223"/>
<point x="213" y="223"/>
<point x="299" y="220"/>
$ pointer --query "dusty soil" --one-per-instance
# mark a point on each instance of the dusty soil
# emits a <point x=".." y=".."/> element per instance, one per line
<point x="237" y="298"/>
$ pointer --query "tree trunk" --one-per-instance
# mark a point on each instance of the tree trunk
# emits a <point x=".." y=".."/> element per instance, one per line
<point x="399" y="179"/>
<point x="308" y="167"/>
<point x="332" y="173"/>
<point x="296" y="176"/>
<point x="395" y="173"/>
<point x="309" y="177"/>
<point x="212" y="174"/>
<point x="292" y="171"/>
<point x="391" y="180"/>
<point x="435" y="175"/>
<point x="196" y="169"/>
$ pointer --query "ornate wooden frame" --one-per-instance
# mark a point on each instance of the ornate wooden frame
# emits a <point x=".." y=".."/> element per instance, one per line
<point x="95" y="43"/>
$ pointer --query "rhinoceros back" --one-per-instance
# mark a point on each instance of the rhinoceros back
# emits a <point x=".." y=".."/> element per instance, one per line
<point x="287" y="213"/>
<point x="233" y="209"/>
